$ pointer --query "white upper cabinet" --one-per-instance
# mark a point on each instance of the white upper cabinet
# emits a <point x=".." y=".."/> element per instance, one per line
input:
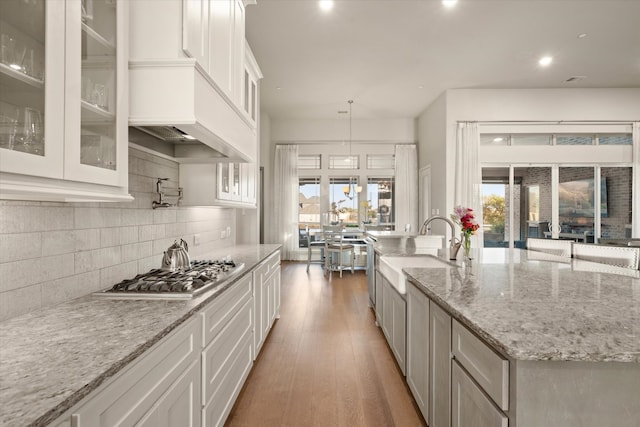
<point x="187" y="67"/>
<point x="63" y="100"/>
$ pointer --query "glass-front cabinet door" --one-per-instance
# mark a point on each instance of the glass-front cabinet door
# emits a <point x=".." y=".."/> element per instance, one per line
<point x="63" y="100"/>
<point x="94" y="119"/>
<point x="31" y="87"/>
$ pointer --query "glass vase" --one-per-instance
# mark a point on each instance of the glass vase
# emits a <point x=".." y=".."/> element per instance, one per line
<point x="466" y="245"/>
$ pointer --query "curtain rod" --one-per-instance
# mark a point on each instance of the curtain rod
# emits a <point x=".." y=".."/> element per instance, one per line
<point x="546" y="122"/>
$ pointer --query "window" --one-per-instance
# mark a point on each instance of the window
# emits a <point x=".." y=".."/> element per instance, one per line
<point x="380" y="161"/>
<point x="379" y="208"/>
<point x="494" y="139"/>
<point x="344" y="162"/>
<point x="574" y="139"/>
<point x="309" y="162"/>
<point x="612" y="139"/>
<point x="343" y="198"/>
<point x="308" y="208"/>
<point x="523" y="139"/>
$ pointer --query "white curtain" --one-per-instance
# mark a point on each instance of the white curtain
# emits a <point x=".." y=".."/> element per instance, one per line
<point x="635" y="189"/>
<point x="406" y="187"/>
<point x="286" y="199"/>
<point x="468" y="189"/>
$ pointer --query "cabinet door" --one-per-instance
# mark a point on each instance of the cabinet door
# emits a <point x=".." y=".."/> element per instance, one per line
<point x="96" y="100"/>
<point x="379" y="299"/>
<point x="221" y="23"/>
<point x="248" y="183"/>
<point x="32" y="87"/>
<point x="418" y="347"/>
<point x="180" y="405"/>
<point x="195" y="22"/>
<point x="439" y="367"/>
<point x="399" y="333"/>
<point x="470" y="406"/>
<point x="387" y="309"/>
<point x="224" y="181"/>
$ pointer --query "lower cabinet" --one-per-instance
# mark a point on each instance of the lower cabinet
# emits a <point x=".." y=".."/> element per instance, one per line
<point x="163" y="385"/>
<point x="455" y="378"/>
<point x="470" y="406"/>
<point x="266" y="299"/>
<point x="227" y="356"/>
<point x="418" y="348"/>
<point x="394" y="321"/>
<point x="191" y="377"/>
<point x="379" y="303"/>
<point x="439" y="367"/>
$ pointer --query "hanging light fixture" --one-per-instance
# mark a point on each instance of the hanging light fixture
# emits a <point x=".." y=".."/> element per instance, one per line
<point x="349" y="190"/>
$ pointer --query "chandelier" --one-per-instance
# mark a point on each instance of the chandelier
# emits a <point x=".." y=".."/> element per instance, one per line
<point x="351" y="190"/>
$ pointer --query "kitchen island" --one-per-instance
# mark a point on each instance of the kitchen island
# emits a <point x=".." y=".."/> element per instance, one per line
<point x="53" y="358"/>
<point x="559" y="338"/>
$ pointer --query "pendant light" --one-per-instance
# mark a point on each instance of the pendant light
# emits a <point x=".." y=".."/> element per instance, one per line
<point x="349" y="190"/>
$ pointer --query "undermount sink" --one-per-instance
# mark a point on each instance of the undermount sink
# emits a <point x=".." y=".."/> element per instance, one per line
<point x="391" y="267"/>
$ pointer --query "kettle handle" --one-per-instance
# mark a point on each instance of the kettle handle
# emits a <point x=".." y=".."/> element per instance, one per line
<point x="183" y="243"/>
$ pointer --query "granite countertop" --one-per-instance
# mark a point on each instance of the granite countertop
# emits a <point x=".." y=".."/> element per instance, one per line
<point x="533" y="306"/>
<point x="52" y="358"/>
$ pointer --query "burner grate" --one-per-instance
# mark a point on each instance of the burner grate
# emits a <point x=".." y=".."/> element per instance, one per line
<point x="202" y="275"/>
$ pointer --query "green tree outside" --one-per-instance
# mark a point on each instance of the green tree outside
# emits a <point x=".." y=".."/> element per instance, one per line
<point x="493" y="212"/>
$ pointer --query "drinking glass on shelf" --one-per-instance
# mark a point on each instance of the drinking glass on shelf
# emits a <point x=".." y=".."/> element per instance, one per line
<point x="30" y="138"/>
<point x="7" y="49"/>
<point x="8" y="125"/>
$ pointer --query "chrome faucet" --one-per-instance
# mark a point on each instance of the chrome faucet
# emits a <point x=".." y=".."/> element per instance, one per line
<point x="454" y="243"/>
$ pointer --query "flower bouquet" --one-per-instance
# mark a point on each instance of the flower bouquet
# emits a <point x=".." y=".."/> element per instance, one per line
<point x="466" y="219"/>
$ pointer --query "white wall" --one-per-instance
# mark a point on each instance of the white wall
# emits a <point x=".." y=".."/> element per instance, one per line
<point x="53" y="252"/>
<point x="514" y="105"/>
<point x="432" y="152"/>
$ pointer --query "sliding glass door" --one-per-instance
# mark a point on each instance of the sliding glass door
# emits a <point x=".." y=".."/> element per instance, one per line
<point x="579" y="203"/>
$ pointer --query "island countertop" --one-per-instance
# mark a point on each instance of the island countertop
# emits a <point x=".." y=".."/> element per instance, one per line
<point x="52" y="358"/>
<point x="533" y="306"/>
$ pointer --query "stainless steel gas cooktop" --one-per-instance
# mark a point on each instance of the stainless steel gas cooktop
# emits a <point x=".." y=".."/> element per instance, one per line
<point x="181" y="284"/>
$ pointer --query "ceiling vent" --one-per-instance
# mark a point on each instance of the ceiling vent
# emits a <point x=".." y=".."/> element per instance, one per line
<point x="574" y="79"/>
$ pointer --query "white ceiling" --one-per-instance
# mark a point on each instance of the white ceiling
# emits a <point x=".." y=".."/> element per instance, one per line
<point x="378" y="52"/>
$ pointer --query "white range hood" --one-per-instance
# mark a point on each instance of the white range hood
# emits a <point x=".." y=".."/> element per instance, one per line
<point x="177" y="95"/>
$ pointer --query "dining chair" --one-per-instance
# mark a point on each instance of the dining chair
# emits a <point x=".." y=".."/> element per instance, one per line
<point x="550" y="246"/>
<point x="621" y="256"/>
<point x="313" y="244"/>
<point x="334" y="245"/>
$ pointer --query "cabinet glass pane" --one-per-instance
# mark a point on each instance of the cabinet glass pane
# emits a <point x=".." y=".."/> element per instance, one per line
<point x="22" y="30"/>
<point x="225" y="177"/>
<point x="98" y="92"/>
<point x="236" y="179"/>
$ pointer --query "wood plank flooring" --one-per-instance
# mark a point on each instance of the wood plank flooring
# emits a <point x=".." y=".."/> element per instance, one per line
<point x="325" y="363"/>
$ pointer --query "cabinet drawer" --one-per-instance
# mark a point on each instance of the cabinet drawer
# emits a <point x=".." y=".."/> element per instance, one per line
<point x="217" y="314"/>
<point x="219" y="356"/>
<point x="273" y="262"/>
<point x="261" y="271"/>
<point x="469" y="405"/>
<point x="489" y="369"/>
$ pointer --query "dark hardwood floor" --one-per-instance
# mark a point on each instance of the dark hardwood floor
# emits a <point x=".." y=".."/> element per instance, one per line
<point x="325" y="363"/>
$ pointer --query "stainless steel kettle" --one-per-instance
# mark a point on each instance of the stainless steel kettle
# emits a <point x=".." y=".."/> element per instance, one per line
<point x="176" y="257"/>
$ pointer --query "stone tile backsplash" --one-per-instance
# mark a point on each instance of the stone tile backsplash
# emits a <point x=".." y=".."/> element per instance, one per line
<point x="53" y="252"/>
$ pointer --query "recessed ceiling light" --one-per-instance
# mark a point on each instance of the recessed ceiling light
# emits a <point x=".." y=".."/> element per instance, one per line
<point x="449" y="3"/>
<point x="545" y="61"/>
<point x="498" y="139"/>
<point x="582" y="35"/>
<point x="326" y="5"/>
